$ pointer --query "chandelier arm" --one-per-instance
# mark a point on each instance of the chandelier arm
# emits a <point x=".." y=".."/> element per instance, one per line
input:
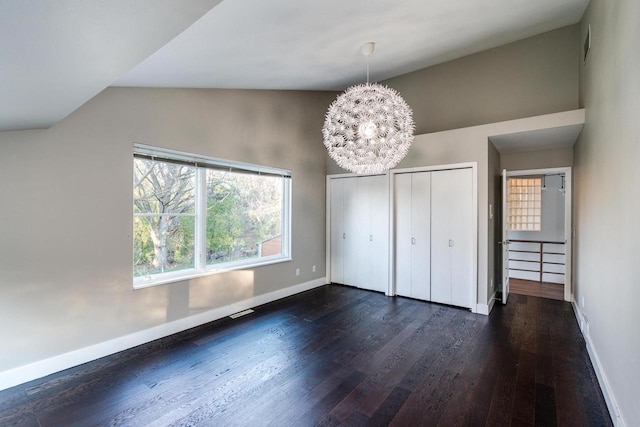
<point x="367" y="69"/>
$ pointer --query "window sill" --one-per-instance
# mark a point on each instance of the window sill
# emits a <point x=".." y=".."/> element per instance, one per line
<point x="180" y="276"/>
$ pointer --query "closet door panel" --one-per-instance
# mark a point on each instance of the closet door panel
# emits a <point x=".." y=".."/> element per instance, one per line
<point x="350" y="213"/>
<point x="337" y="228"/>
<point x="421" y="235"/>
<point x="441" y="238"/>
<point x="402" y="220"/>
<point x="462" y="233"/>
<point x="362" y="225"/>
<point x="379" y="233"/>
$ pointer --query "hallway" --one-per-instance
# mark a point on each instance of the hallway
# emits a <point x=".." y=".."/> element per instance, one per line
<point x="536" y="289"/>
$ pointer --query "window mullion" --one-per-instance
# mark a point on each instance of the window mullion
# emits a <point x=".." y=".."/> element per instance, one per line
<point x="201" y="219"/>
<point x="286" y="217"/>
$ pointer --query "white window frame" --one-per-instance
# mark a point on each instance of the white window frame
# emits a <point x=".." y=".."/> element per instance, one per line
<point x="202" y="163"/>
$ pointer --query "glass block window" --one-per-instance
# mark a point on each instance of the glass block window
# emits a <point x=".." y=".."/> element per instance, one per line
<point x="524" y="204"/>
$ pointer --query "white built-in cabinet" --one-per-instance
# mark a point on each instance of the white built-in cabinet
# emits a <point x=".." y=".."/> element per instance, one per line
<point x="359" y="231"/>
<point x="433" y="234"/>
<point x="433" y="219"/>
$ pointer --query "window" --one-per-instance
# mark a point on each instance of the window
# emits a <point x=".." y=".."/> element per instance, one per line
<point x="194" y="216"/>
<point x="524" y="204"/>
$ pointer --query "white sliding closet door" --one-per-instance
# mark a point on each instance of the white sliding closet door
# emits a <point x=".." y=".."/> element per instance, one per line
<point x="403" y="234"/>
<point x="350" y="213"/>
<point x="337" y="230"/>
<point x="359" y="230"/>
<point x="462" y="233"/>
<point x="378" y="238"/>
<point x="451" y="237"/>
<point x="421" y="230"/>
<point x="412" y="221"/>
<point x="362" y="232"/>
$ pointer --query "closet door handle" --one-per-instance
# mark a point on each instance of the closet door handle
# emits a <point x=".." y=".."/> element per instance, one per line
<point x="344" y="235"/>
<point x="413" y="240"/>
<point x="371" y="237"/>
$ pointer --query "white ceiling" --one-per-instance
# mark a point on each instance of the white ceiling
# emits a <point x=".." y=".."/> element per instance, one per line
<point x="539" y="139"/>
<point x="314" y="44"/>
<point x="56" y="55"/>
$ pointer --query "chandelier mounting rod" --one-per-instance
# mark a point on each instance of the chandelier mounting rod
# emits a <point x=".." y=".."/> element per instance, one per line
<point x="367" y="50"/>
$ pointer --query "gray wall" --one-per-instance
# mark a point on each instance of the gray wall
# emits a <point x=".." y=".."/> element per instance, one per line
<point x="66" y="220"/>
<point x="539" y="159"/>
<point x="606" y="202"/>
<point x="534" y="76"/>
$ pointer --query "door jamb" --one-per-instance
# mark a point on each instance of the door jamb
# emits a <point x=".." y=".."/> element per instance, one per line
<point x="568" y="226"/>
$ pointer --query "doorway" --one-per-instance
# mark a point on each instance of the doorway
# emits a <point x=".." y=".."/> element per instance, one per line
<point x="537" y="233"/>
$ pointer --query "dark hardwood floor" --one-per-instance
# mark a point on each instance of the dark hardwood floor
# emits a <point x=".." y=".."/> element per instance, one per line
<point x="536" y="289"/>
<point x="337" y="356"/>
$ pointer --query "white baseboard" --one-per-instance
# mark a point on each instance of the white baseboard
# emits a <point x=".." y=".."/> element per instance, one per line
<point x="612" y="405"/>
<point x="486" y="308"/>
<point x="482" y="309"/>
<point x="42" y="368"/>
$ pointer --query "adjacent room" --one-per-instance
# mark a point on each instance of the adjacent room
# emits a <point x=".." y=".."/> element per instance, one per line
<point x="235" y="212"/>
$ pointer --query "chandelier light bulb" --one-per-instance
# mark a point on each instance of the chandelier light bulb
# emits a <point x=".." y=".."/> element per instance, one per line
<point x="368" y="130"/>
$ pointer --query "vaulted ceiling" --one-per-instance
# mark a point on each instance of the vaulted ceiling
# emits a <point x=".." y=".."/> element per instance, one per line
<point x="56" y="55"/>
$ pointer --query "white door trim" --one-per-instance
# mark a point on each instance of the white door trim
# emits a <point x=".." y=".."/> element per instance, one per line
<point x="505" y="238"/>
<point x="568" y="227"/>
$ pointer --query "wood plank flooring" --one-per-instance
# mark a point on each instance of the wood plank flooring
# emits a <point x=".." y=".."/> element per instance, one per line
<point x="336" y="356"/>
<point x="536" y="289"/>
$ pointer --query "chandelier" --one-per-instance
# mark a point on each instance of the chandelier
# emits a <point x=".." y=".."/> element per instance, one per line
<point x="369" y="128"/>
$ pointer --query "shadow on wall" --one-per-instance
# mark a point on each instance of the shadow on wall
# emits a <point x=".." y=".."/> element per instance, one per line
<point x="206" y="293"/>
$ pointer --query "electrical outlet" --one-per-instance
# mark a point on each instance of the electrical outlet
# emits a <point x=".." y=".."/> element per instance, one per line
<point x="585" y="330"/>
<point x="313" y="269"/>
<point x="297" y="271"/>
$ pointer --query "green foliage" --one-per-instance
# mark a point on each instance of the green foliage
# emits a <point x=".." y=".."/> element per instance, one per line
<point x="142" y="246"/>
<point x="242" y="210"/>
<point x="224" y="223"/>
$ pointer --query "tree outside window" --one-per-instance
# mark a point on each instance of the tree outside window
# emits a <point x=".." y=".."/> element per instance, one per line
<point x="191" y="218"/>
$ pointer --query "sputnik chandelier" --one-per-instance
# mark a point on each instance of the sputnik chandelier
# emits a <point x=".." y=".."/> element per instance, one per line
<point x="369" y="128"/>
